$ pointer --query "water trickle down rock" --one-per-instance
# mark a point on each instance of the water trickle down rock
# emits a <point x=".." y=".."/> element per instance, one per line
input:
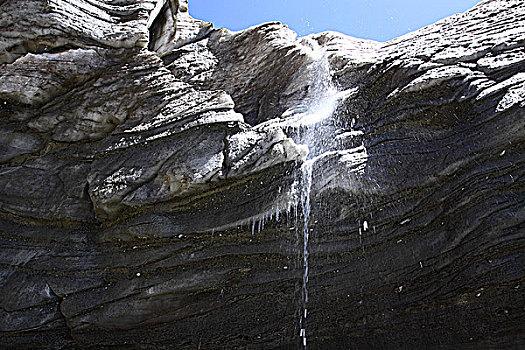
<point x="312" y="124"/>
<point x="142" y="150"/>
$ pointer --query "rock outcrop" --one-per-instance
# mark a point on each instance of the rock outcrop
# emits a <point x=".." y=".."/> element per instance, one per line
<point x="153" y="190"/>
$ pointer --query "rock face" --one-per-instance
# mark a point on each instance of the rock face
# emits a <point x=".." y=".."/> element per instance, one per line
<point x="154" y="187"/>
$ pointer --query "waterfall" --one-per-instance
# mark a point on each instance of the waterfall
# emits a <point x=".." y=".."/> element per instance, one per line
<point x="306" y="186"/>
<point x="309" y="122"/>
<point x="312" y="127"/>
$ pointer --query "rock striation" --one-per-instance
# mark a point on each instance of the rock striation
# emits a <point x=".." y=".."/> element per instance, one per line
<point x="151" y="193"/>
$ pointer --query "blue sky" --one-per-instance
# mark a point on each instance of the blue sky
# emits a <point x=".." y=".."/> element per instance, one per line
<point x="371" y="19"/>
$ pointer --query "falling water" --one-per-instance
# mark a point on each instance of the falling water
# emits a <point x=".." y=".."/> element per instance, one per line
<point x="310" y="124"/>
<point x="312" y="127"/>
<point x="306" y="181"/>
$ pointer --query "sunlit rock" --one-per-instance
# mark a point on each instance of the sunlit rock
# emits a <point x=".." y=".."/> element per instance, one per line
<point x="165" y="184"/>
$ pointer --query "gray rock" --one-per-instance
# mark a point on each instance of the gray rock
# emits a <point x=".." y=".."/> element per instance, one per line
<point x="41" y="26"/>
<point x="155" y="175"/>
<point x="171" y="27"/>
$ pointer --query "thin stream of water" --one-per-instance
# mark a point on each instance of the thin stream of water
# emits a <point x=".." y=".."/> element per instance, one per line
<point x="314" y="129"/>
<point x="306" y="179"/>
<point x="309" y="124"/>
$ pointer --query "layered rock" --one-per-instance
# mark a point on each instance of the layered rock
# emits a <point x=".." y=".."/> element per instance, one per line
<point x="150" y="181"/>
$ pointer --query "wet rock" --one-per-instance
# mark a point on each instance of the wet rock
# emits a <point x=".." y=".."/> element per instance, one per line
<point x="152" y="181"/>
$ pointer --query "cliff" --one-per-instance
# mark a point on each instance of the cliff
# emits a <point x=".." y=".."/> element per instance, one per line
<point x="168" y="185"/>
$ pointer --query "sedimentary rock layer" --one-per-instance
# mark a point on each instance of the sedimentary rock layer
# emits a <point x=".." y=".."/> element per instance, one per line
<point x="149" y="166"/>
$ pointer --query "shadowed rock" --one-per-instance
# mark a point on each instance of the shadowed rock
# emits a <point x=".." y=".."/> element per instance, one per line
<point x="150" y="172"/>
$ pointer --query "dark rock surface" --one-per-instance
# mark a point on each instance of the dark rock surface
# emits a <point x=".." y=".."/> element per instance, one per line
<point x="149" y="192"/>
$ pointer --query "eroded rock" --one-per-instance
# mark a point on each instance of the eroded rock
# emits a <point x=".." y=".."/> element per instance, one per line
<point x="150" y="182"/>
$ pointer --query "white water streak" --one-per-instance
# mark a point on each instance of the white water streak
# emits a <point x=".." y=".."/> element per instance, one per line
<point x="323" y="101"/>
